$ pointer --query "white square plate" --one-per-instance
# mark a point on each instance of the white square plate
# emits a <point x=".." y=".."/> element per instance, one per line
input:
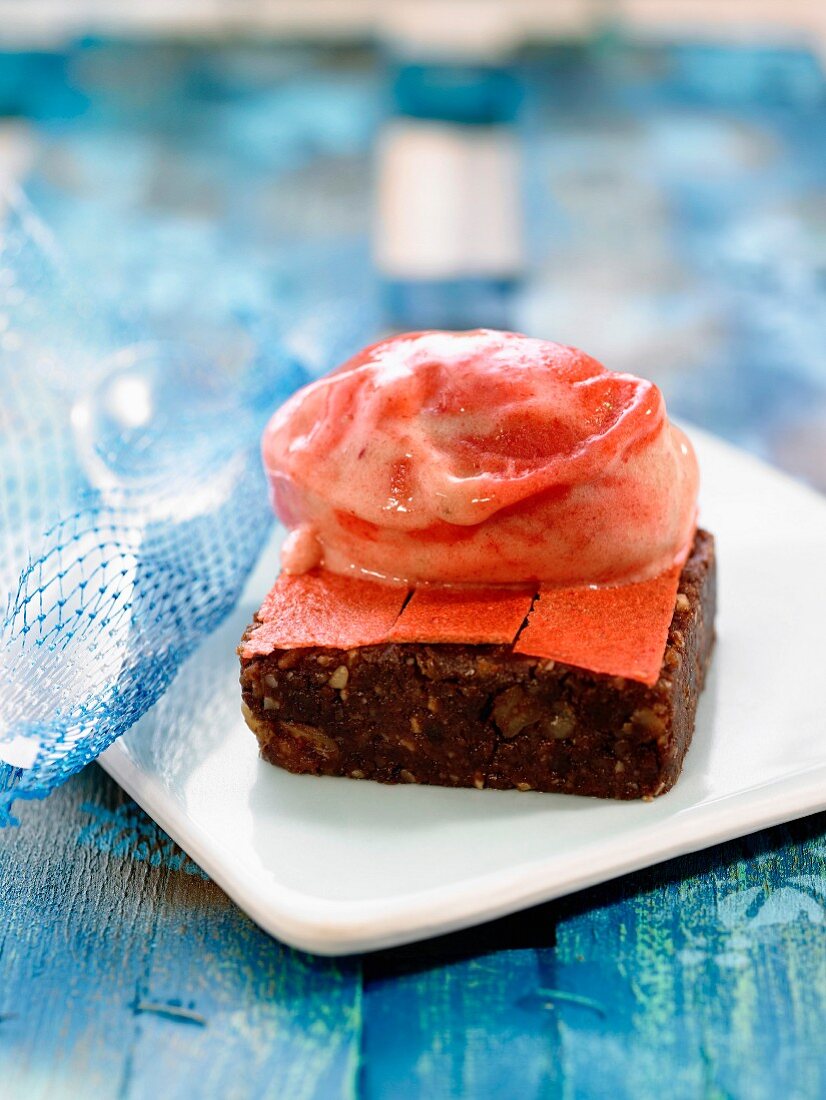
<point x="335" y="866"/>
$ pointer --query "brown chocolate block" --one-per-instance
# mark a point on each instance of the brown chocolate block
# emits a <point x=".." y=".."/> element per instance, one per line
<point x="483" y="716"/>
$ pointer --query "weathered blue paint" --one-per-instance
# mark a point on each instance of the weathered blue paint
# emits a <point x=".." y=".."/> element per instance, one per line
<point x="471" y="1027"/>
<point x="128" y="977"/>
<point x="132" y="978"/>
<point x="713" y="966"/>
<point x="707" y="975"/>
<point x="128" y="831"/>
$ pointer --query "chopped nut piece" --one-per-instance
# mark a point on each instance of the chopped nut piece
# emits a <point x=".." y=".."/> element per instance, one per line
<point x="258" y="726"/>
<point x="683" y="603"/>
<point x="562" y="725"/>
<point x="647" y="720"/>
<point x="340" y="677"/>
<point x="319" y="740"/>
<point x="517" y="708"/>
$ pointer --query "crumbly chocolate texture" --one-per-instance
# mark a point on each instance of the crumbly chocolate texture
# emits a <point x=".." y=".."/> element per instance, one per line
<point x="483" y="716"/>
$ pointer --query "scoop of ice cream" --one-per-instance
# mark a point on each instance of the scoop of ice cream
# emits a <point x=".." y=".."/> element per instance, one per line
<point x="481" y="458"/>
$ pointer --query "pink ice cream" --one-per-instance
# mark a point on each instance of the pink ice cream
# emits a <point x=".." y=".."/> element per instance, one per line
<point x="481" y="458"/>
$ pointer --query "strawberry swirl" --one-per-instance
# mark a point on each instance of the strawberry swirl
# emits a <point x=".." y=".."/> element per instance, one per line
<point x="481" y="458"/>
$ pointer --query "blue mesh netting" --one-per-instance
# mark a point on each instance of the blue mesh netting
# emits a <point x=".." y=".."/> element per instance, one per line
<point x="132" y="504"/>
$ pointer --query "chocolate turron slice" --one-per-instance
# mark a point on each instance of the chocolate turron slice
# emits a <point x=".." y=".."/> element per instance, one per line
<point x="461" y="715"/>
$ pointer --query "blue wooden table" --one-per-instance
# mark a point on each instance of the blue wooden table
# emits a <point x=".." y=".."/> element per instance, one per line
<point x="127" y="974"/>
<point x="677" y="197"/>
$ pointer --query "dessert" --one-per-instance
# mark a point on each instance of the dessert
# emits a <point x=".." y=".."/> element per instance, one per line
<point x="493" y="575"/>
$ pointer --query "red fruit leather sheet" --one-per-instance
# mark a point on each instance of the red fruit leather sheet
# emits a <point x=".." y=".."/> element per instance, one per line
<point x="474" y="615"/>
<point x="620" y="631"/>
<point x="324" y="609"/>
